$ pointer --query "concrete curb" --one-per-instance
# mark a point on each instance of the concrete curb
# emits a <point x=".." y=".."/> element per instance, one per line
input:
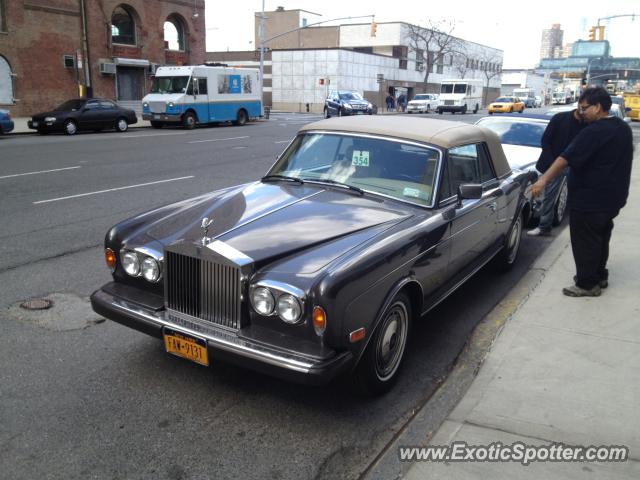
<point x="431" y="414"/>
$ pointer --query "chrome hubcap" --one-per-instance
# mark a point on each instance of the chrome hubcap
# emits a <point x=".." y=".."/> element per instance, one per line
<point x="514" y="240"/>
<point x="392" y="341"/>
<point x="122" y="125"/>
<point x="71" y="128"/>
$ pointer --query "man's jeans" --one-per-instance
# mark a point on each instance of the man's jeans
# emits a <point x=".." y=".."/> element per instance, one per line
<point x="547" y="210"/>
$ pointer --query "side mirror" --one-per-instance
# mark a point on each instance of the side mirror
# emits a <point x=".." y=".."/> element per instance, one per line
<point x="469" y="191"/>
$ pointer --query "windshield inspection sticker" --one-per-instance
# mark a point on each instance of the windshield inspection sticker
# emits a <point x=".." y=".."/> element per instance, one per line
<point x="415" y="193"/>
<point x="360" y="158"/>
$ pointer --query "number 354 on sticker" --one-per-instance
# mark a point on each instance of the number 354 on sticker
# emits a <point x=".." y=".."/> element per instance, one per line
<point x="360" y="158"/>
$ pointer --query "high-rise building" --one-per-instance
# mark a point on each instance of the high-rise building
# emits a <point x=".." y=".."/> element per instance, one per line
<point x="551" y="43"/>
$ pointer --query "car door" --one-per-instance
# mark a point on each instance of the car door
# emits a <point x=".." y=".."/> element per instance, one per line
<point x="333" y="103"/>
<point x="474" y="221"/>
<point x="108" y="114"/>
<point x="90" y="116"/>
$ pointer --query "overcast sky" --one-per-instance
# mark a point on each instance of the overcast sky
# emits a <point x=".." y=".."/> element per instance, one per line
<point x="514" y="27"/>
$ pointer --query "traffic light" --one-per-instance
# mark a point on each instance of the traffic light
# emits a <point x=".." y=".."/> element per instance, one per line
<point x="592" y="34"/>
<point x="374" y="27"/>
<point x="600" y="32"/>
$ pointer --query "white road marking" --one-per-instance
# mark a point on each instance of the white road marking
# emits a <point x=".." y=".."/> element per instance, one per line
<point x="283" y="141"/>
<point x="219" y="139"/>
<point x="112" y="190"/>
<point x="155" y="134"/>
<point x="41" y="171"/>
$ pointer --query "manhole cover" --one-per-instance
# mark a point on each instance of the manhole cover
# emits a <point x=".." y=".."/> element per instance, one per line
<point x="37" y="304"/>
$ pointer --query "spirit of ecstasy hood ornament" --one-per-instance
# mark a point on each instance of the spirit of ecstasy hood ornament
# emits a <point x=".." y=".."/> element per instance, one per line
<point x="206" y="223"/>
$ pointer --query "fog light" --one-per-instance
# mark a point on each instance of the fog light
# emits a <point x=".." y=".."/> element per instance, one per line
<point x="289" y="308"/>
<point x="150" y="269"/>
<point x="263" y="301"/>
<point x="131" y="263"/>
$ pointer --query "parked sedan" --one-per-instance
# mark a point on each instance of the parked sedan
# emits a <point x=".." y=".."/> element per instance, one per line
<point x="6" y="124"/>
<point x="359" y="229"/>
<point x="346" y="102"/>
<point x="422" y="103"/>
<point x="521" y="138"/>
<point x="84" y="114"/>
<point x="506" y="105"/>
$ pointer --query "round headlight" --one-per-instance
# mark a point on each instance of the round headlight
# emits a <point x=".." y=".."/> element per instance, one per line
<point x="131" y="263"/>
<point x="289" y="308"/>
<point x="347" y="105"/>
<point x="145" y="105"/>
<point x="263" y="301"/>
<point x="171" y="105"/>
<point x="150" y="269"/>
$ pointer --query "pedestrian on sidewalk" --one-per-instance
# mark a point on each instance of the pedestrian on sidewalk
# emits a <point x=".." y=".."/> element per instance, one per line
<point x="389" y="102"/>
<point x="402" y="102"/>
<point x="559" y="133"/>
<point x="600" y="160"/>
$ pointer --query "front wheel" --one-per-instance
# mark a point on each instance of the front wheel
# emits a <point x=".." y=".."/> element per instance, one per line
<point x="70" y="127"/>
<point x="241" y="118"/>
<point x="122" y="125"/>
<point x="326" y="113"/>
<point x="506" y="259"/>
<point x="464" y="109"/>
<point x="378" y="368"/>
<point x="189" y="121"/>
<point x="156" y="124"/>
<point x="561" y="204"/>
<point x="440" y="111"/>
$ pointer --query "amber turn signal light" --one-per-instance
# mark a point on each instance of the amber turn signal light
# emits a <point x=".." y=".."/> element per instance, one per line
<point x="319" y="318"/>
<point x="357" y="335"/>
<point x="110" y="258"/>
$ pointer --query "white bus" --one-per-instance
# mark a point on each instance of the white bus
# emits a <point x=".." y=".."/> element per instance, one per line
<point x="196" y="95"/>
<point x="460" y="95"/>
<point x="527" y="95"/>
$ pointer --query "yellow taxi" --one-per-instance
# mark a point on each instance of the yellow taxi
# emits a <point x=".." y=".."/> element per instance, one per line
<point x="506" y="105"/>
<point x="632" y="101"/>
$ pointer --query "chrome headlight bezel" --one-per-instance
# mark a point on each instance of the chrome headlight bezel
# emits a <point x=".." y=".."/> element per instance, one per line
<point x="150" y="269"/>
<point x="288" y="301"/>
<point x="133" y="261"/>
<point x="262" y="300"/>
<point x="130" y="262"/>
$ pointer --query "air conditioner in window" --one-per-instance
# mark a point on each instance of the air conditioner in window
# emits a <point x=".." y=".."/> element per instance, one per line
<point x="108" y="68"/>
<point x="420" y="67"/>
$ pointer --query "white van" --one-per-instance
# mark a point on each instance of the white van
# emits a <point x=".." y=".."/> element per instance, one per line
<point x="527" y="95"/>
<point x="196" y="95"/>
<point x="460" y="95"/>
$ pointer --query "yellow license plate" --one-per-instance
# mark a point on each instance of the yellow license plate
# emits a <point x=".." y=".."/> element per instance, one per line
<point x="186" y="346"/>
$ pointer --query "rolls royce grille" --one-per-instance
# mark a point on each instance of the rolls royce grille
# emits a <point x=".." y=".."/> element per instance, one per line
<point x="204" y="289"/>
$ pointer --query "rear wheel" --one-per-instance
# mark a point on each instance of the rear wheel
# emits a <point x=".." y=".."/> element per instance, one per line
<point x="70" y="127"/>
<point x="378" y="368"/>
<point x="464" y="109"/>
<point x="189" y="121"/>
<point x="241" y="117"/>
<point x="476" y="108"/>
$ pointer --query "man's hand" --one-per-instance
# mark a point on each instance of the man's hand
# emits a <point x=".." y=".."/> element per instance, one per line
<point x="537" y="188"/>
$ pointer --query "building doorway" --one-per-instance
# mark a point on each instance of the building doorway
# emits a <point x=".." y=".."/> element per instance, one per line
<point x="130" y="83"/>
<point x="6" y="83"/>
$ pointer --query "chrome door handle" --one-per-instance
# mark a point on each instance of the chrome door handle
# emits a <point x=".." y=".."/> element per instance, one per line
<point x="493" y="206"/>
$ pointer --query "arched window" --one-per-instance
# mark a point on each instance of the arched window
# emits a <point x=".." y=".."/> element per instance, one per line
<point x="6" y="84"/>
<point x="174" y="33"/>
<point x="123" y="27"/>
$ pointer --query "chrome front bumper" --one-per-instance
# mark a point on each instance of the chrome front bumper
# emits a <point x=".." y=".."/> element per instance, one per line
<point x="315" y="368"/>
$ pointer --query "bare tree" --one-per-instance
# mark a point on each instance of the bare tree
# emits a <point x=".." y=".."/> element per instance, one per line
<point x="490" y="64"/>
<point x="431" y="44"/>
<point x="461" y="62"/>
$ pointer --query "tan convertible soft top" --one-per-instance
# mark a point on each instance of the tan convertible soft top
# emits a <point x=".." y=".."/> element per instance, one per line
<point x="441" y="133"/>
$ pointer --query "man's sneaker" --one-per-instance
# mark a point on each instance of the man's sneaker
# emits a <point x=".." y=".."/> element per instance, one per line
<point x="537" y="232"/>
<point x="601" y="283"/>
<point x="576" y="291"/>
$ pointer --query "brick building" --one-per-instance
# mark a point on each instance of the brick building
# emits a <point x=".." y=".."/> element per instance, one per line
<point x="53" y="50"/>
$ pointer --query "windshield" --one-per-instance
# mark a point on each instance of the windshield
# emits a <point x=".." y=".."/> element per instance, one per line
<point x="350" y="96"/>
<point x="504" y="100"/>
<point x="70" y="106"/>
<point x="170" y="85"/>
<point x="421" y="97"/>
<point x="515" y="132"/>
<point x="391" y="168"/>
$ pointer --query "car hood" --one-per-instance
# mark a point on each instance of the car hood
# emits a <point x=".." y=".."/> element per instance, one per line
<point x="419" y="102"/>
<point x="269" y="221"/>
<point x="163" y="97"/>
<point x="356" y="102"/>
<point x="521" y="157"/>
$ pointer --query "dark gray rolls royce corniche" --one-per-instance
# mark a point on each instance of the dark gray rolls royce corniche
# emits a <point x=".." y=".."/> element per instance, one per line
<point x="360" y="228"/>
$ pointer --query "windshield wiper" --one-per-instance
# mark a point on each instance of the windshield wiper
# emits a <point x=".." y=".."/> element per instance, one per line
<point x="268" y="178"/>
<point x="339" y="184"/>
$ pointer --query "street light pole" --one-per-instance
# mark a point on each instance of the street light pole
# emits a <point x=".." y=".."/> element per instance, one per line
<point x="261" y="38"/>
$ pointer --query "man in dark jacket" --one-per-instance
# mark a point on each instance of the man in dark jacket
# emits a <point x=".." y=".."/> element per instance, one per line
<point x="600" y="159"/>
<point x="559" y="133"/>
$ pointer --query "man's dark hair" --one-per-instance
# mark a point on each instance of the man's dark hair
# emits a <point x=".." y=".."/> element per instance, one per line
<point x="596" y="95"/>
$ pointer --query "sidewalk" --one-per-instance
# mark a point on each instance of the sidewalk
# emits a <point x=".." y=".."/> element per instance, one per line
<point x="20" y="125"/>
<point x="562" y="370"/>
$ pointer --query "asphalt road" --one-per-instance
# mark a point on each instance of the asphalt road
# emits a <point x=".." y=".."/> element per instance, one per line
<point x="85" y="398"/>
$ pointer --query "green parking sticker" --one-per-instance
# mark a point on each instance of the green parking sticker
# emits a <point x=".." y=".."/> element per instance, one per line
<point x="360" y="158"/>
